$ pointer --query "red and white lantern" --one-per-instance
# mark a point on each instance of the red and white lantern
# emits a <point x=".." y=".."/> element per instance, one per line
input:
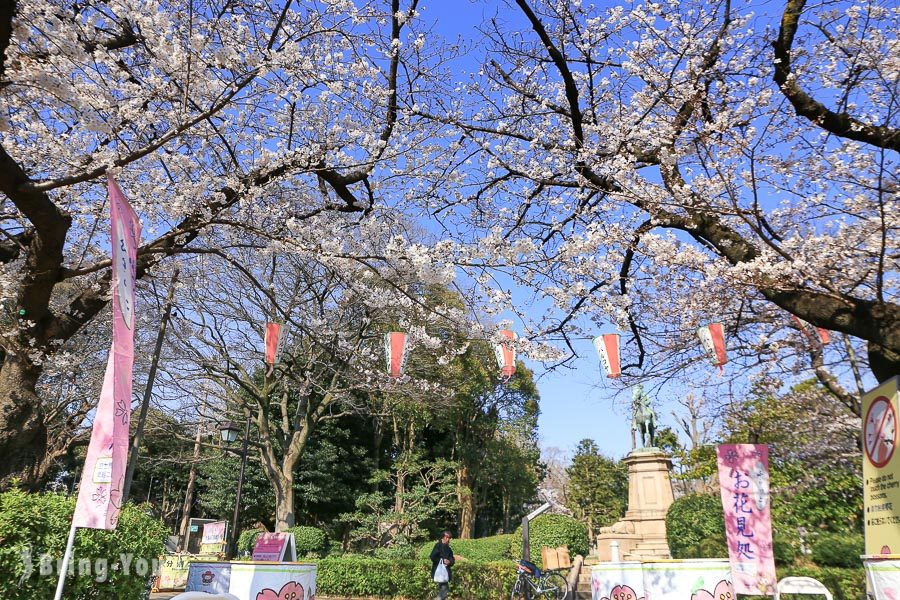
<point x="607" y="346"/>
<point x="816" y="335"/>
<point x="506" y="353"/>
<point x="395" y="352"/>
<point x="276" y="333"/>
<point x="712" y="337"/>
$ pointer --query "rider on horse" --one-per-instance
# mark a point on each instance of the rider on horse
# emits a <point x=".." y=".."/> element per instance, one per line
<point x="644" y="418"/>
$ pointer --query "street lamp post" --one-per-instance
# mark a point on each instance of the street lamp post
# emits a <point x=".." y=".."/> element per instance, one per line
<point x="229" y="432"/>
<point x="526" y="538"/>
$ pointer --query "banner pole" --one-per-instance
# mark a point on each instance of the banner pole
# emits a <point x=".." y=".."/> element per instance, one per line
<point x="65" y="562"/>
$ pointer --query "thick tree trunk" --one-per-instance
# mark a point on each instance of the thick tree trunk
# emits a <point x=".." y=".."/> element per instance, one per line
<point x="23" y="433"/>
<point x="284" y="502"/>
<point x="466" y="503"/>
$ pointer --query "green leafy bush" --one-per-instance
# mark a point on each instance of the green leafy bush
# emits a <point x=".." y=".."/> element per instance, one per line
<point x="694" y="519"/>
<point x="552" y="531"/>
<point x="311" y="541"/>
<point x="247" y="540"/>
<point x="354" y="575"/>
<point x="784" y="552"/>
<point x="710" y="547"/>
<point x="838" y="550"/>
<point x="107" y="565"/>
<point x="399" y="552"/>
<point x="486" y="549"/>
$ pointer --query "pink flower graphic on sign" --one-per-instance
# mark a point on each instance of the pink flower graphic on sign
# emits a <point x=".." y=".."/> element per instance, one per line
<point x="289" y="591"/>
<point x="724" y="591"/>
<point x="623" y="592"/>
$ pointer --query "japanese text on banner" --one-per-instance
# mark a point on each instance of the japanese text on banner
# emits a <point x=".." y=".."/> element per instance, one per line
<point x="744" y="484"/>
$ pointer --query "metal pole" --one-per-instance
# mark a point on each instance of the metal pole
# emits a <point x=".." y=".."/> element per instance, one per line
<point x="526" y="544"/>
<point x="232" y="544"/>
<point x="65" y="562"/>
<point x="148" y="390"/>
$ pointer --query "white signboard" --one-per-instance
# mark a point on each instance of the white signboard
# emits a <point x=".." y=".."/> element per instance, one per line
<point x="210" y="577"/>
<point x="285" y="581"/>
<point x="617" y="581"/>
<point x="679" y="579"/>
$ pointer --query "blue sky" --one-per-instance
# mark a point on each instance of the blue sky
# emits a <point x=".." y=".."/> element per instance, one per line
<point x="576" y="402"/>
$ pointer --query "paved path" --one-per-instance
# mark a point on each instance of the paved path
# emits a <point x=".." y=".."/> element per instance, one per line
<point x="163" y="595"/>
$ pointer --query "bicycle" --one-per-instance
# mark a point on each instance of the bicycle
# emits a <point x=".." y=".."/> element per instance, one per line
<point x="533" y="583"/>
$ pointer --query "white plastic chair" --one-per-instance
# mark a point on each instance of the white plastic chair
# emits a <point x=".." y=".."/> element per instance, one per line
<point x="204" y="596"/>
<point x="801" y="585"/>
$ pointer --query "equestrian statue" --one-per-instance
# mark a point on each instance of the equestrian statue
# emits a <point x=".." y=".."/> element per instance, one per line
<point x="643" y="417"/>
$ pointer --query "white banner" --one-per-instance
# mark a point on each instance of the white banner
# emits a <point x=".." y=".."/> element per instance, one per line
<point x="617" y="581"/>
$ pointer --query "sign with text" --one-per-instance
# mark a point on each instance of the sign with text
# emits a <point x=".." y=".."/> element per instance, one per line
<point x="275" y="547"/>
<point x="881" y="469"/>
<point x="744" y="484"/>
<point x="214" y="537"/>
<point x="103" y="476"/>
<point x="214" y="533"/>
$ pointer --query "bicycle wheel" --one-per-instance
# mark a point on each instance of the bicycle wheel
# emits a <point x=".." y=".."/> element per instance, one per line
<point x="521" y="590"/>
<point x="554" y="587"/>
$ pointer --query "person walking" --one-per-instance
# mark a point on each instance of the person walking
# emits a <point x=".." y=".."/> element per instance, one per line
<point x="442" y="554"/>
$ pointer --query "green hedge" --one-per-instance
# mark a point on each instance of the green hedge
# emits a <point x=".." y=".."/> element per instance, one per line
<point x="552" y="531"/>
<point x="311" y="541"/>
<point x="486" y="549"/>
<point x="695" y="527"/>
<point x="36" y="525"/>
<point x="838" y="550"/>
<point x="357" y="575"/>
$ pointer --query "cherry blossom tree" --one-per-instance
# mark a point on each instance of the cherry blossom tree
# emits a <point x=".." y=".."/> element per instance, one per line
<point x="658" y="166"/>
<point x="213" y="116"/>
<point x="333" y="361"/>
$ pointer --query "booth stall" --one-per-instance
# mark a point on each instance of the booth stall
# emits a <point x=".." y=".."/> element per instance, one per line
<point x="267" y="577"/>
<point x="701" y="579"/>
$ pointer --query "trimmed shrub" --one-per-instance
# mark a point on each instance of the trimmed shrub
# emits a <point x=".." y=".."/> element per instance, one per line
<point x="693" y="519"/>
<point x="247" y="540"/>
<point x="486" y="549"/>
<point x="710" y="547"/>
<point x="552" y="531"/>
<point x="404" y="552"/>
<point x="784" y="552"/>
<point x="108" y="565"/>
<point x="838" y="550"/>
<point x="311" y="541"/>
<point x="354" y="575"/>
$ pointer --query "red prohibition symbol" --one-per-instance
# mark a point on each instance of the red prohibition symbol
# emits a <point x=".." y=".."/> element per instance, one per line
<point x="881" y="431"/>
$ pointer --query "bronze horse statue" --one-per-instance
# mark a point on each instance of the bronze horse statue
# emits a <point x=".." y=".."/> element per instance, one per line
<point x="643" y="417"/>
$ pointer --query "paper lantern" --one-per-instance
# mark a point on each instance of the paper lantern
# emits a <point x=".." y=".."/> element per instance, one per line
<point x="816" y="335"/>
<point x="712" y="337"/>
<point x="506" y="353"/>
<point x="607" y="346"/>
<point x="395" y="352"/>
<point x="276" y="333"/>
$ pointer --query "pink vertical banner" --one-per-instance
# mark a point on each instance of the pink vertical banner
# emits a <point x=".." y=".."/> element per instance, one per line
<point x="100" y="493"/>
<point x="744" y="483"/>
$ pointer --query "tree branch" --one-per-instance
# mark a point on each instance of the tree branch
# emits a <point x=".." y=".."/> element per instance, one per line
<point x="840" y="124"/>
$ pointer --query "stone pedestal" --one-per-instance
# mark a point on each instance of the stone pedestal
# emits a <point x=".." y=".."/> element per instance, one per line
<point x="641" y="534"/>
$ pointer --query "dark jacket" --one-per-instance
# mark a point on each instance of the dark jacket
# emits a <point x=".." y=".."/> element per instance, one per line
<point x="442" y="551"/>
